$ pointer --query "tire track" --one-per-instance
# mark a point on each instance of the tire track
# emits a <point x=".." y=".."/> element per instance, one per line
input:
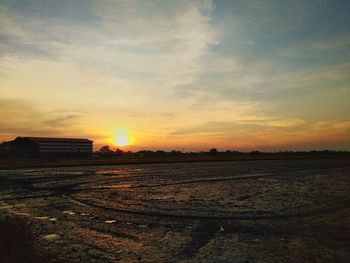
<point x="165" y="214"/>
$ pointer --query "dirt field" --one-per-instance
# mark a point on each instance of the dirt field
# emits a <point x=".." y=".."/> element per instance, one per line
<point x="250" y="211"/>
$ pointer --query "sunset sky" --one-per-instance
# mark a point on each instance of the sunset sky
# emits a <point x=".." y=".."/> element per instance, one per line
<point x="185" y="75"/>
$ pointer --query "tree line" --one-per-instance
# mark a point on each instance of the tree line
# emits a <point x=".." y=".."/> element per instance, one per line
<point x="107" y="151"/>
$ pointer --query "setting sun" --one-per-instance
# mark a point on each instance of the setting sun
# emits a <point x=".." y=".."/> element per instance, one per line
<point x="121" y="140"/>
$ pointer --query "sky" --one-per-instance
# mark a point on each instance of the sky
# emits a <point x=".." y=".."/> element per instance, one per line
<point x="186" y="75"/>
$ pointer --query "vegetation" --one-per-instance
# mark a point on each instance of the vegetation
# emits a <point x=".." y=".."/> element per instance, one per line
<point x="108" y="156"/>
<point x="107" y="151"/>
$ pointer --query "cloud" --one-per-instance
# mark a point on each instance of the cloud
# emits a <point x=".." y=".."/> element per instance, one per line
<point x="334" y="43"/>
<point x="164" y="68"/>
<point x="21" y="37"/>
<point x="266" y="135"/>
<point x="62" y="121"/>
<point x="125" y="36"/>
<point x="221" y="127"/>
<point x="21" y="118"/>
<point x="130" y="51"/>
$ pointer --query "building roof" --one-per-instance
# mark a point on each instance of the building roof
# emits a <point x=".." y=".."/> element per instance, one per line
<point x="38" y="139"/>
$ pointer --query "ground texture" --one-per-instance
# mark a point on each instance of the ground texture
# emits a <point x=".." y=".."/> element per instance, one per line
<point x="240" y="211"/>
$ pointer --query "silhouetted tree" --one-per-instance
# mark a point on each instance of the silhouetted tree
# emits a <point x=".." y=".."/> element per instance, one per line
<point x="255" y="153"/>
<point x="213" y="151"/>
<point x="119" y="152"/>
<point x="105" y="151"/>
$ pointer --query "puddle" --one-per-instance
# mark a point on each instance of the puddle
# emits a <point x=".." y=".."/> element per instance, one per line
<point x="51" y="237"/>
<point x="21" y="214"/>
<point x="6" y="206"/>
<point x="69" y="212"/>
<point x="41" y="217"/>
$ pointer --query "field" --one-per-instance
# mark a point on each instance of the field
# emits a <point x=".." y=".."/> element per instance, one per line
<point x="234" y="211"/>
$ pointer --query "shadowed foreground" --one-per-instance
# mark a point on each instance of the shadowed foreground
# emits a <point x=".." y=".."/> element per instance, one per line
<point x="17" y="242"/>
<point x="257" y="211"/>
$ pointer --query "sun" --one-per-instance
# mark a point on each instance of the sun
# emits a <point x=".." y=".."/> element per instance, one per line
<point x="122" y="137"/>
<point x="121" y="140"/>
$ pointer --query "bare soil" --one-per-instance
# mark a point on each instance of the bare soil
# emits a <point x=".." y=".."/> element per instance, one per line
<point x="256" y="211"/>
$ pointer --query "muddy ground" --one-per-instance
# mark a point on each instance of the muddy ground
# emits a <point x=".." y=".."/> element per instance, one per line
<point x="240" y="211"/>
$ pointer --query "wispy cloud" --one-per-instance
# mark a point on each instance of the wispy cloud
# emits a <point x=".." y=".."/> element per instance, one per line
<point x="21" y="117"/>
<point x="175" y="68"/>
<point x="239" y="125"/>
<point x="62" y="121"/>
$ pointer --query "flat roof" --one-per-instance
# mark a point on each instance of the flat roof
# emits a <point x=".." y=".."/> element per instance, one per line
<point x="58" y="139"/>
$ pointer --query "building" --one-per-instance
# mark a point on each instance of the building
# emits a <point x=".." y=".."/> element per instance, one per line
<point x="62" y="145"/>
<point x="49" y="146"/>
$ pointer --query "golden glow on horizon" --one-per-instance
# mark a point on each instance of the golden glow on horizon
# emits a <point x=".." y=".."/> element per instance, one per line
<point x="121" y="141"/>
<point x="123" y="138"/>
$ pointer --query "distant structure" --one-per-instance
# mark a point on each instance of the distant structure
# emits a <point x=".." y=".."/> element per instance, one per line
<point x="62" y="145"/>
<point x="48" y="146"/>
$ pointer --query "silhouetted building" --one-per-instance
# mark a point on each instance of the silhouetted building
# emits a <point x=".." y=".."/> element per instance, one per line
<point x="48" y="146"/>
